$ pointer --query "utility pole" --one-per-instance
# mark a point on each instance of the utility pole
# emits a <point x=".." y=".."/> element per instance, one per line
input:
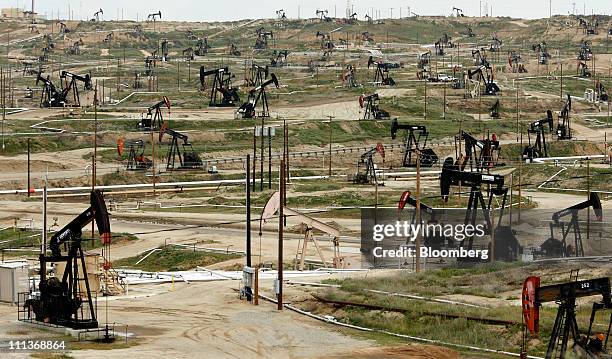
<point x="269" y="157"/>
<point x="248" y="210"/>
<point x="118" y="87"/>
<point x="444" y="105"/>
<point x="518" y="130"/>
<point x="594" y="70"/>
<point x="459" y="154"/>
<point x="2" y="80"/>
<point x="520" y="189"/>
<point x="261" y="159"/>
<point x="588" y="234"/>
<point x="550" y="8"/>
<point x="609" y="100"/>
<point x="418" y="211"/>
<point x="254" y="156"/>
<point x="286" y="175"/>
<point x="286" y="146"/>
<point x="480" y="110"/>
<point x="280" y="237"/>
<point x="330" y="146"/>
<point x="153" y="158"/>
<point x="43" y="249"/>
<point x="425" y="101"/>
<point x="29" y="184"/>
<point x="95" y="153"/>
<point x="561" y="91"/>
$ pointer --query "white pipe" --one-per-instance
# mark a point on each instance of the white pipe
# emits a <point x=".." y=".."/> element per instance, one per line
<point x="146" y="250"/>
<point x="541" y="186"/>
<point x="576" y="190"/>
<point x="149" y="185"/>
<point x="216" y="250"/>
<point x="393" y="294"/>
<point x="148" y="254"/>
<point x="551" y="177"/>
<point x="132" y="93"/>
<point x="573" y="259"/>
<point x="140" y="185"/>
<point x="411" y="296"/>
<point x="290" y="282"/>
<point x="214" y="272"/>
<point x="569" y="158"/>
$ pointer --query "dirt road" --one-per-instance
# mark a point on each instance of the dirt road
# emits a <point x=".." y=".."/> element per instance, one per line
<point x="209" y="319"/>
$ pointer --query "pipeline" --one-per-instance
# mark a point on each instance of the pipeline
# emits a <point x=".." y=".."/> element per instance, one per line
<point x="569" y="158"/>
<point x="428" y="299"/>
<point x="176" y="185"/>
<point x="131" y="94"/>
<point x="394" y="294"/>
<point x="403" y="310"/>
<point x="205" y="249"/>
<point x="373" y="330"/>
<point x="541" y="186"/>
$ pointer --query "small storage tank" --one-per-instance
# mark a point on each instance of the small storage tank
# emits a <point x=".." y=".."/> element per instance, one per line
<point x="13" y="280"/>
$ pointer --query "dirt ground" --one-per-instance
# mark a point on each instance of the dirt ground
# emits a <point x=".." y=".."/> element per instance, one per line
<point x="413" y="351"/>
<point x="181" y="319"/>
<point x="208" y="318"/>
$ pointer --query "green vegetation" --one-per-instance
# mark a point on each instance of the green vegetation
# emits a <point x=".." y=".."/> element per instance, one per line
<point x="169" y="259"/>
<point x="568" y="177"/>
<point x="489" y="280"/>
<point x="445" y="281"/>
<point x="512" y="152"/>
